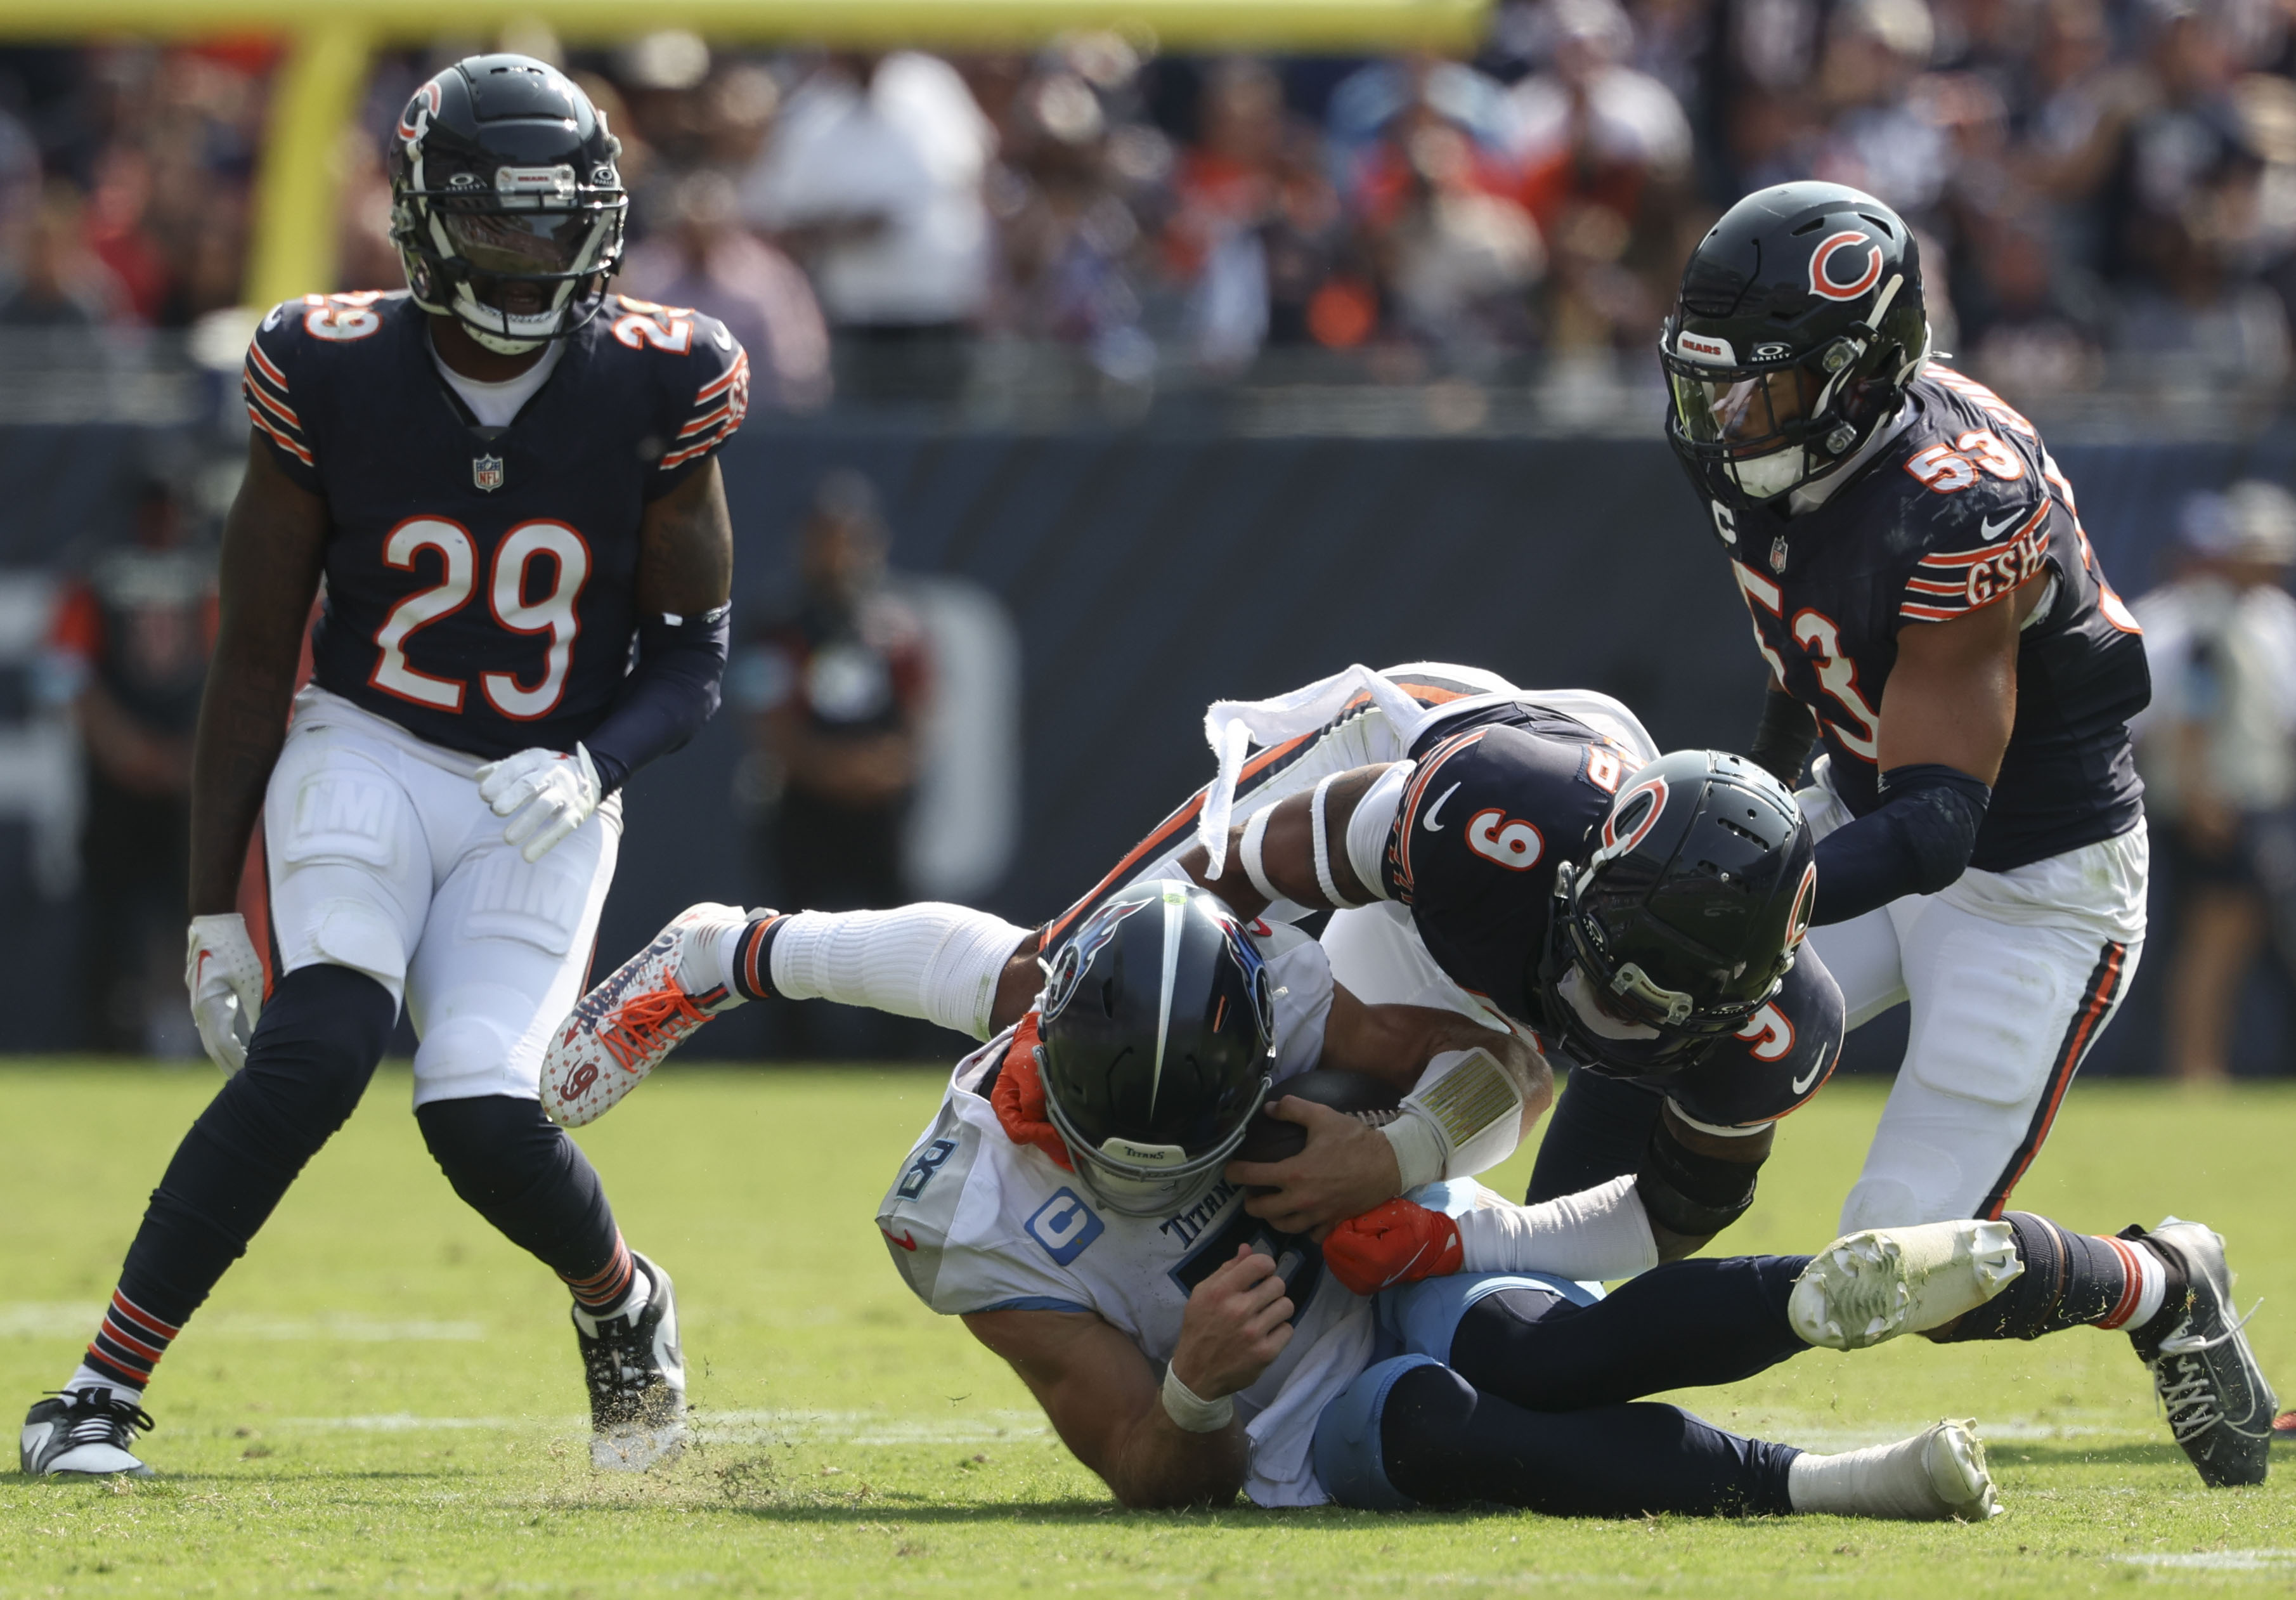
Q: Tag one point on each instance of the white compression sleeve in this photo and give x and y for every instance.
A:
(1370, 824)
(929, 960)
(1598, 1233)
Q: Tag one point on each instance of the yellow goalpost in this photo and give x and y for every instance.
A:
(291, 246)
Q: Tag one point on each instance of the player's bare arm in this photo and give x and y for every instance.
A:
(273, 544)
(1102, 1398)
(1347, 1166)
(686, 548)
(1286, 851)
(1952, 696)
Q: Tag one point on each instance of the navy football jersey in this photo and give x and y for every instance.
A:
(481, 582)
(1958, 508)
(1500, 796)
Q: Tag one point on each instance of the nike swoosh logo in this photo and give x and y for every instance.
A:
(1432, 825)
(1994, 530)
(908, 1241)
(1802, 1085)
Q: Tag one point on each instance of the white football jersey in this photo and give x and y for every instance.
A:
(976, 1222)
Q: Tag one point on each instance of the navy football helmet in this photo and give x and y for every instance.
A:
(1685, 920)
(1158, 1041)
(502, 173)
(1800, 325)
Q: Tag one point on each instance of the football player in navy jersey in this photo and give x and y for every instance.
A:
(506, 478)
(1932, 614)
(1524, 858)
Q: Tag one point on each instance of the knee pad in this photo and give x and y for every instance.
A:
(1347, 1450)
(1689, 1193)
(466, 1054)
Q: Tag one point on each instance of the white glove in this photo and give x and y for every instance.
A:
(552, 792)
(226, 979)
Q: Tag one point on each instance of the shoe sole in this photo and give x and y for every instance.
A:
(1870, 1287)
(1956, 1459)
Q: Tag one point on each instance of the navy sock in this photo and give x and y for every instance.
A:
(1675, 1326)
(2070, 1280)
(312, 1052)
(1443, 1443)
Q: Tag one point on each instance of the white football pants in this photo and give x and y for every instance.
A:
(381, 858)
(2011, 976)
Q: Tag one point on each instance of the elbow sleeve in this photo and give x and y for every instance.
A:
(1917, 842)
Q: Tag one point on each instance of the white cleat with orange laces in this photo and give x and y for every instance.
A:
(626, 1026)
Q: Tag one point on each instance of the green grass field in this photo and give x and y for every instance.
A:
(383, 1397)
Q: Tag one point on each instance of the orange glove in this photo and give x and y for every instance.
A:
(1397, 1243)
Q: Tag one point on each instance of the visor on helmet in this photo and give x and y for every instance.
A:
(520, 244)
(1746, 413)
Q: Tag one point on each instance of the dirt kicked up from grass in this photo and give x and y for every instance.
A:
(384, 1398)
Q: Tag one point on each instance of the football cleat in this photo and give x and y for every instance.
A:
(1400, 1242)
(636, 1377)
(2218, 1405)
(83, 1433)
(626, 1026)
(1874, 1285)
(1937, 1475)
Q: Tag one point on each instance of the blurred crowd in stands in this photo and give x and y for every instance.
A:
(2106, 188)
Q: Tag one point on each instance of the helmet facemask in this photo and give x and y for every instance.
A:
(1770, 426)
(474, 223)
(1169, 1061)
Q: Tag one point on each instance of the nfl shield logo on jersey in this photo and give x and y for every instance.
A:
(486, 471)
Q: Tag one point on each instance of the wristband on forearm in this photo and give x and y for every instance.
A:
(1190, 1412)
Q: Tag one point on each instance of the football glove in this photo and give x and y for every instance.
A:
(546, 793)
(1397, 1243)
(226, 978)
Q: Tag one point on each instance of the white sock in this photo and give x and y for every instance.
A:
(87, 1377)
(634, 1299)
(1900, 1480)
(929, 960)
(2151, 1285)
(706, 960)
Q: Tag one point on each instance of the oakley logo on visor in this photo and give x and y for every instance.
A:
(1825, 274)
(1701, 347)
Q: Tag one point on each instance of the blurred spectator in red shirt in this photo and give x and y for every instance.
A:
(128, 653)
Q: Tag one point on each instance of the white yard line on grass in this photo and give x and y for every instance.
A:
(2218, 1561)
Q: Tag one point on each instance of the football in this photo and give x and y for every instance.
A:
(1359, 1094)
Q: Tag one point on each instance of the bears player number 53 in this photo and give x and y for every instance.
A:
(505, 476)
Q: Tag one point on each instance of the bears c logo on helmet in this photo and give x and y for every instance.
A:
(1824, 277)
